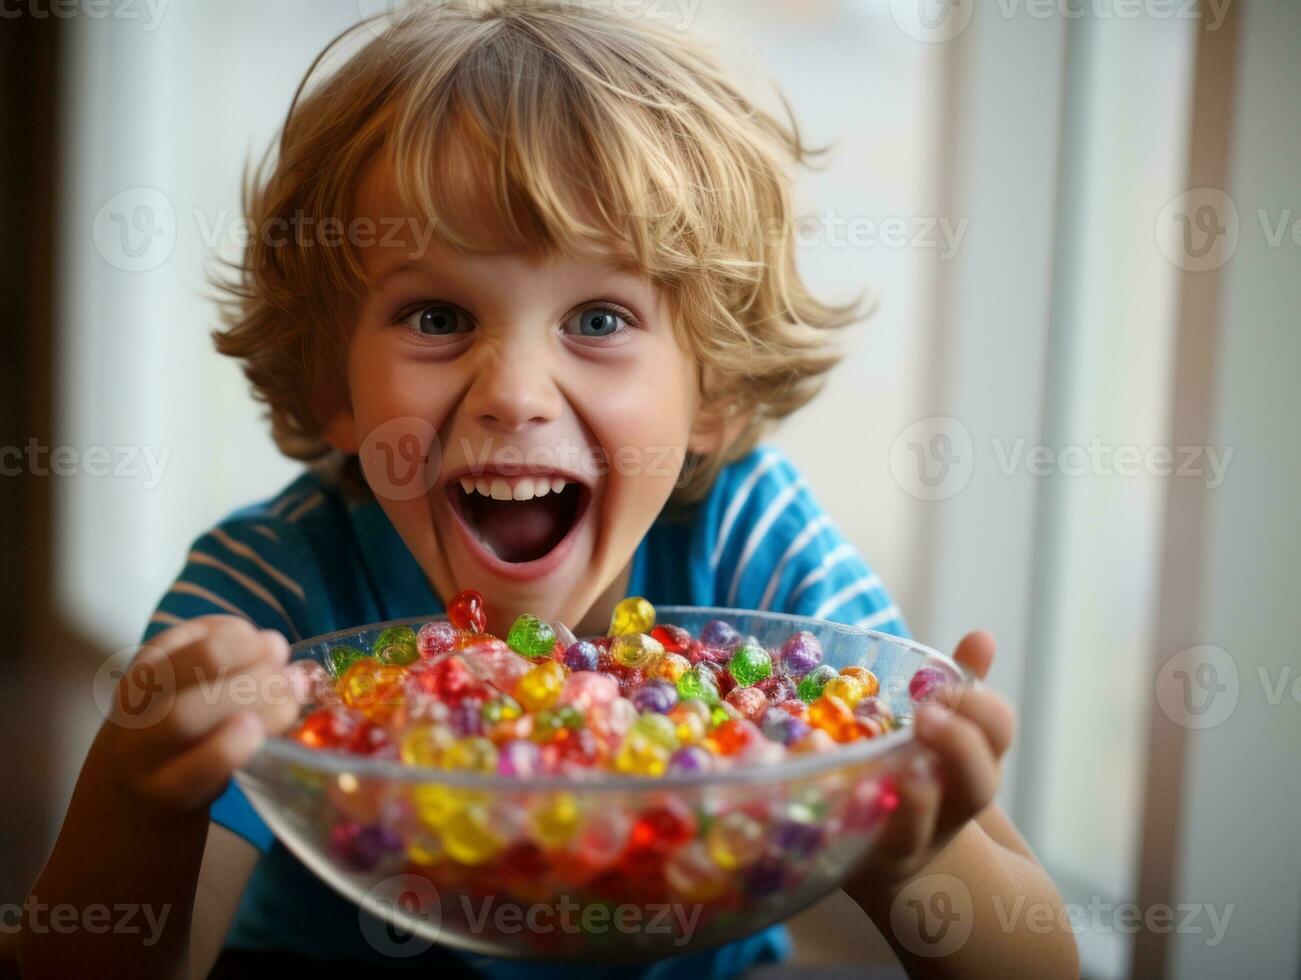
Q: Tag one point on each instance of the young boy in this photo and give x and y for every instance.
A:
(529, 300)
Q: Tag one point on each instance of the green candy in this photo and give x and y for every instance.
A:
(531, 637)
(696, 683)
(504, 708)
(340, 658)
(749, 664)
(397, 645)
(810, 688)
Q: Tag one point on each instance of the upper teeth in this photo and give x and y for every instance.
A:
(526, 488)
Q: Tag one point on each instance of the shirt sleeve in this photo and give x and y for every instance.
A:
(775, 548)
(258, 568)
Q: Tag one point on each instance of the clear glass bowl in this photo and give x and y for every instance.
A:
(610, 868)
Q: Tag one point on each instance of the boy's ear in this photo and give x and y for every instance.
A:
(341, 432)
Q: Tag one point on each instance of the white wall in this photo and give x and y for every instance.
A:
(1242, 792)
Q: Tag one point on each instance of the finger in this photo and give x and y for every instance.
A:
(198, 775)
(968, 766)
(975, 651)
(228, 646)
(987, 710)
(909, 828)
(262, 688)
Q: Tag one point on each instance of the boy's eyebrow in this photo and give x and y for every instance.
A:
(408, 266)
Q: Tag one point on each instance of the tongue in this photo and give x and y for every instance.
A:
(520, 530)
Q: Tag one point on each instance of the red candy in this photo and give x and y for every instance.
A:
(466, 611)
(673, 638)
(327, 728)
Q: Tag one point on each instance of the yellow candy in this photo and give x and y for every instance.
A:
(424, 745)
(541, 686)
(632, 615)
(425, 848)
(554, 819)
(734, 840)
(657, 728)
(473, 753)
(691, 724)
(639, 756)
(637, 650)
(846, 687)
(468, 838)
(436, 804)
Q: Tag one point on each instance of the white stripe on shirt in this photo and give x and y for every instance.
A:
(760, 531)
(857, 588)
(799, 544)
(738, 501)
(832, 558)
(879, 617)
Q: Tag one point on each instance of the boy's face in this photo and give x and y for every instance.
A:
(560, 386)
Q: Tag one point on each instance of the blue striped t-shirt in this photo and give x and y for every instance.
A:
(315, 558)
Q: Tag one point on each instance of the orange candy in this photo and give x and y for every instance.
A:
(732, 736)
(865, 677)
(834, 717)
(373, 688)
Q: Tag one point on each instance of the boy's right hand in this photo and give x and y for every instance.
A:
(193, 706)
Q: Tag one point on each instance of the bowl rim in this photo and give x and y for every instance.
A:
(283, 749)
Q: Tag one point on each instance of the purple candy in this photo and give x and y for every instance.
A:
(800, 653)
(691, 758)
(363, 847)
(519, 757)
(582, 656)
(658, 696)
(782, 726)
(765, 876)
(717, 633)
(799, 838)
(467, 717)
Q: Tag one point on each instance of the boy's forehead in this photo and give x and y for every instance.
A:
(467, 205)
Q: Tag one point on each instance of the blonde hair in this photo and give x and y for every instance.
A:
(590, 130)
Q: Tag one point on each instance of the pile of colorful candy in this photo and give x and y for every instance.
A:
(645, 700)
(519, 754)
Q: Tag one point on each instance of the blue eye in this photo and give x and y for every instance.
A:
(438, 320)
(596, 321)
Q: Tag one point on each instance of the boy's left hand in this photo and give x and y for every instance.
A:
(962, 735)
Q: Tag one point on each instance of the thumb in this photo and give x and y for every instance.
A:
(975, 651)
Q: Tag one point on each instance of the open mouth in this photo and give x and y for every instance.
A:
(518, 519)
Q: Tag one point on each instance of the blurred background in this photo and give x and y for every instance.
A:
(1070, 420)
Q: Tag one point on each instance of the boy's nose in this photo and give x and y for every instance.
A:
(511, 389)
